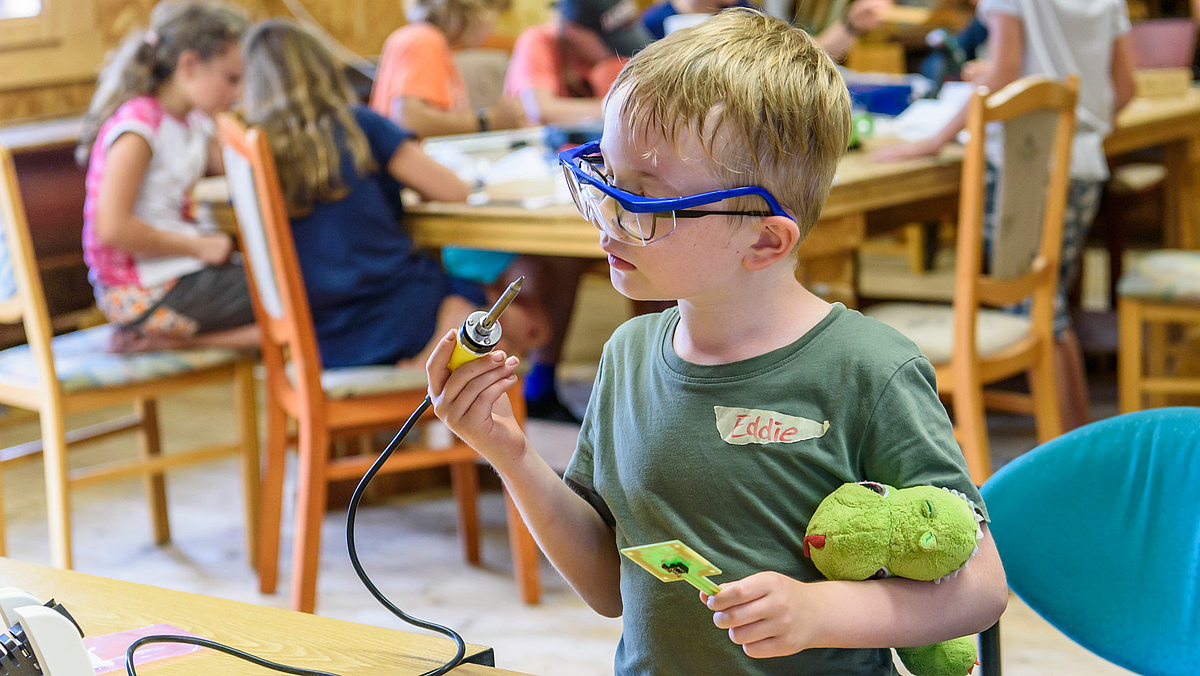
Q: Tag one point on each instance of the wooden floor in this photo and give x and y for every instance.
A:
(410, 546)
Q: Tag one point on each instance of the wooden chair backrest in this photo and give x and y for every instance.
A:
(483, 73)
(22, 297)
(276, 285)
(1036, 120)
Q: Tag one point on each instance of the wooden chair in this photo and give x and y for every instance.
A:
(328, 402)
(1135, 185)
(969, 344)
(60, 375)
(1159, 291)
(483, 73)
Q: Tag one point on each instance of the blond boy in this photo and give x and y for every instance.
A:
(673, 444)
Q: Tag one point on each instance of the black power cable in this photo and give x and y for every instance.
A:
(351, 514)
(205, 643)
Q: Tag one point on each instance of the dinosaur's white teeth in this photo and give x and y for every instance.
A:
(978, 532)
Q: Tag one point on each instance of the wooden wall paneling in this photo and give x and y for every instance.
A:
(41, 102)
(362, 25)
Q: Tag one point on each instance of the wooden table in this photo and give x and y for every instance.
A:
(103, 606)
(867, 197)
(1173, 124)
(864, 191)
(860, 186)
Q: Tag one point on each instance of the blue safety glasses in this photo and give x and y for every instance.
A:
(632, 218)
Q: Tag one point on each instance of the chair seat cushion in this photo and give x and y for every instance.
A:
(1136, 177)
(931, 327)
(82, 362)
(1171, 275)
(363, 381)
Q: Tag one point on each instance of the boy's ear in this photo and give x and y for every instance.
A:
(777, 239)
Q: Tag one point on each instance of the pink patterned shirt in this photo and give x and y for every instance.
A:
(179, 159)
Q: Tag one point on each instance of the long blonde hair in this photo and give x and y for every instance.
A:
(296, 93)
(146, 59)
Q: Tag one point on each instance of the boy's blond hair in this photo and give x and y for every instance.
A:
(768, 104)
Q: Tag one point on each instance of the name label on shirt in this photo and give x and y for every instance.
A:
(741, 426)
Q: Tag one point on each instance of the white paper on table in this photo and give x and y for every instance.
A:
(680, 21)
(469, 169)
(528, 177)
(925, 117)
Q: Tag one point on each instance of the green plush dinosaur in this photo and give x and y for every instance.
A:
(869, 531)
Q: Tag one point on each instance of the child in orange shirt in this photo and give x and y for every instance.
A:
(420, 87)
(562, 69)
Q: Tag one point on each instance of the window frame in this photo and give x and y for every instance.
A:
(40, 30)
(62, 45)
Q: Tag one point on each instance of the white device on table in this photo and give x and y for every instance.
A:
(40, 638)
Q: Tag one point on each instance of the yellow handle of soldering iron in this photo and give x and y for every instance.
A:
(461, 354)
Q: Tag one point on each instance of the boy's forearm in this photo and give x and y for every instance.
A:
(903, 613)
(569, 530)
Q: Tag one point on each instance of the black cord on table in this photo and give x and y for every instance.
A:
(351, 514)
(205, 643)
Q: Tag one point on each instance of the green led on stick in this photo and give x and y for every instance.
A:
(672, 561)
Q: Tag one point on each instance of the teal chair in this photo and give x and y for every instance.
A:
(1099, 532)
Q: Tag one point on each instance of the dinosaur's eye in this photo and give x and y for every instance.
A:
(928, 510)
(875, 486)
(880, 574)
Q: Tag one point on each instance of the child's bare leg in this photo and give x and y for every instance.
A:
(524, 327)
(451, 313)
(553, 282)
(127, 341)
(242, 337)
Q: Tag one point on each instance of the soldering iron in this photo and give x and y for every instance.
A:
(476, 337)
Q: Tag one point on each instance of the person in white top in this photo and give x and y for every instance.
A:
(1055, 38)
(161, 275)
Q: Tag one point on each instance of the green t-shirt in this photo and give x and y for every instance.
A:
(733, 460)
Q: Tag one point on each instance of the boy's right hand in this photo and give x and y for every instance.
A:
(214, 249)
(472, 402)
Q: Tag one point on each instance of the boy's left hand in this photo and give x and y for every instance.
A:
(768, 614)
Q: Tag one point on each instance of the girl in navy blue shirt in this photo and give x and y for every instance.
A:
(374, 298)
